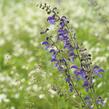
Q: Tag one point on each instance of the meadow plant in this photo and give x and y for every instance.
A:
(71, 59)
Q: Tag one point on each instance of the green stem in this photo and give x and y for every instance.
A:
(75, 87)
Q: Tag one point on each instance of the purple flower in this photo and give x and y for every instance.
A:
(63, 18)
(86, 83)
(53, 58)
(45, 43)
(62, 32)
(62, 24)
(71, 53)
(77, 72)
(51, 19)
(97, 70)
(61, 60)
(72, 58)
(57, 63)
(52, 51)
(60, 68)
(81, 73)
(74, 66)
(70, 87)
(63, 21)
(100, 101)
(67, 44)
(68, 79)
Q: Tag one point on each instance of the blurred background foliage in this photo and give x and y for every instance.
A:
(28, 80)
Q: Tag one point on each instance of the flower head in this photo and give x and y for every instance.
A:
(51, 19)
(97, 70)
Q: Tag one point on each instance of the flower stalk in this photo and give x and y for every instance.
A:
(64, 48)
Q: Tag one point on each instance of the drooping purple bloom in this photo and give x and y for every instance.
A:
(60, 37)
(51, 19)
(63, 21)
(53, 58)
(62, 24)
(63, 18)
(97, 70)
(81, 73)
(45, 43)
(86, 83)
(68, 79)
(62, 32)
(52, 51)
(77, 72)
(67, 44)
(74, 66)
(56, 63)
(63, 61)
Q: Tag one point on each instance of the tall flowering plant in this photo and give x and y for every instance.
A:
(71, 59)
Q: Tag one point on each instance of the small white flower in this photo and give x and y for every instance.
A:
(2, 97)
(52, 91)
(41, 96)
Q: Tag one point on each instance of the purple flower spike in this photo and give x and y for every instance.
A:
(62, 44)
(51, 19)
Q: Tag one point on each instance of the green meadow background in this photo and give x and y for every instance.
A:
(28, 80)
